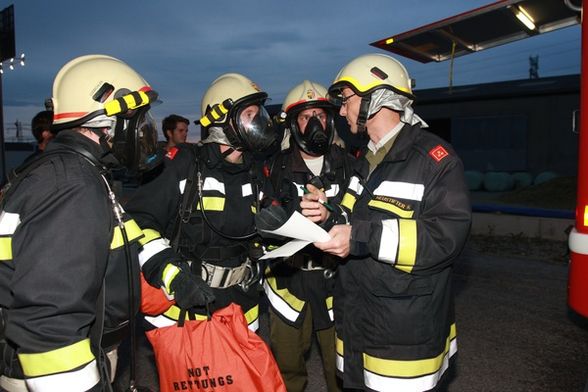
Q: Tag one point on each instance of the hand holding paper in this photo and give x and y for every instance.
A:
(302, 230)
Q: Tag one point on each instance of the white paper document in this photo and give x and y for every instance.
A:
(288, 249)
(302, 230)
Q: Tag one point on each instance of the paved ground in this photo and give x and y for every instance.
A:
(515, 332)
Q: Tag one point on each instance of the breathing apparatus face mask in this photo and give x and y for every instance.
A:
(315, 139)
(253, 127)
(134, 140)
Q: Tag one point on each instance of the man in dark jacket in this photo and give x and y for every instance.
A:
(203, 205)
(64, 276)
(300, 288)
(408, 214)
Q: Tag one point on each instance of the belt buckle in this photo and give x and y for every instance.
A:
(220, 277)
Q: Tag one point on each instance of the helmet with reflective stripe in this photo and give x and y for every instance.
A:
(104, 94)
(235, 103)
(370, 72)
(86, 84)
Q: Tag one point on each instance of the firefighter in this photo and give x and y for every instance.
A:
(408, 213)
(67, 247)
(300, 288)
(198, 215)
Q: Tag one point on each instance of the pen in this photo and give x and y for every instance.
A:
(324, 203)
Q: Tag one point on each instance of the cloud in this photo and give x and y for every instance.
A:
(180, 46)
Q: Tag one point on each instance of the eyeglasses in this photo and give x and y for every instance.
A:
(344, 99)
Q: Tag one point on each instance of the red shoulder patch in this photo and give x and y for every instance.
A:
(438, 153)
(171, 154)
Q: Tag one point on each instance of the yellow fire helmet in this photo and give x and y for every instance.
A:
(84, 87)
(234, 104)
(370, 72)
(314, 139)
(101, 92)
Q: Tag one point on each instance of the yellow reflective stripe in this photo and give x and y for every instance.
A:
(169, 273)
(253, 209)
(348, 201)
(365, 87)
(339, 345)
(252, 314)
(287, 296)
(329, 302)
(149, 235)
(5, 248)
(586, 216)
(407, 245)
(212, 203)
(174, 313)
(391, 207)
(216, 112)
(414, 368)
(133, 232)
(131, 101)
(60, 360)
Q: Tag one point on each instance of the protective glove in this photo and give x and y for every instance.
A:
(270, 218)
(188, 289)
(255, 250)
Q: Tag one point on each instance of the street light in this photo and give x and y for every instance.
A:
(11, 64)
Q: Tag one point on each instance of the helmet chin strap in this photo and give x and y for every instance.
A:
(363, 112)
(228, 152)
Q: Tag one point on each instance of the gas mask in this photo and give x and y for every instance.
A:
(134, 140)
(252, 128)
(249, 126)
(315, 139)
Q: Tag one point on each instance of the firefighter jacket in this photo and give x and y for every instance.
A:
(59, 244)
(305, 278)
(394, 314)
(228, 202)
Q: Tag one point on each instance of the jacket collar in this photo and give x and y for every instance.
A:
(71, 139)
(214, 159)
(399, 151)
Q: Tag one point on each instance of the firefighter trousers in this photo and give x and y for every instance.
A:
(290, 346)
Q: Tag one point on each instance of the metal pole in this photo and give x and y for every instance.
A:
(2, 149)
(578, 240)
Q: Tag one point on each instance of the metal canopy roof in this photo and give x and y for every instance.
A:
(482, 28)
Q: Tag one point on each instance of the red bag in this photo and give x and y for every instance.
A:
(153, 300)
(220, 354)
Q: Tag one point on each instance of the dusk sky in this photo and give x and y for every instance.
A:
(181, 46)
